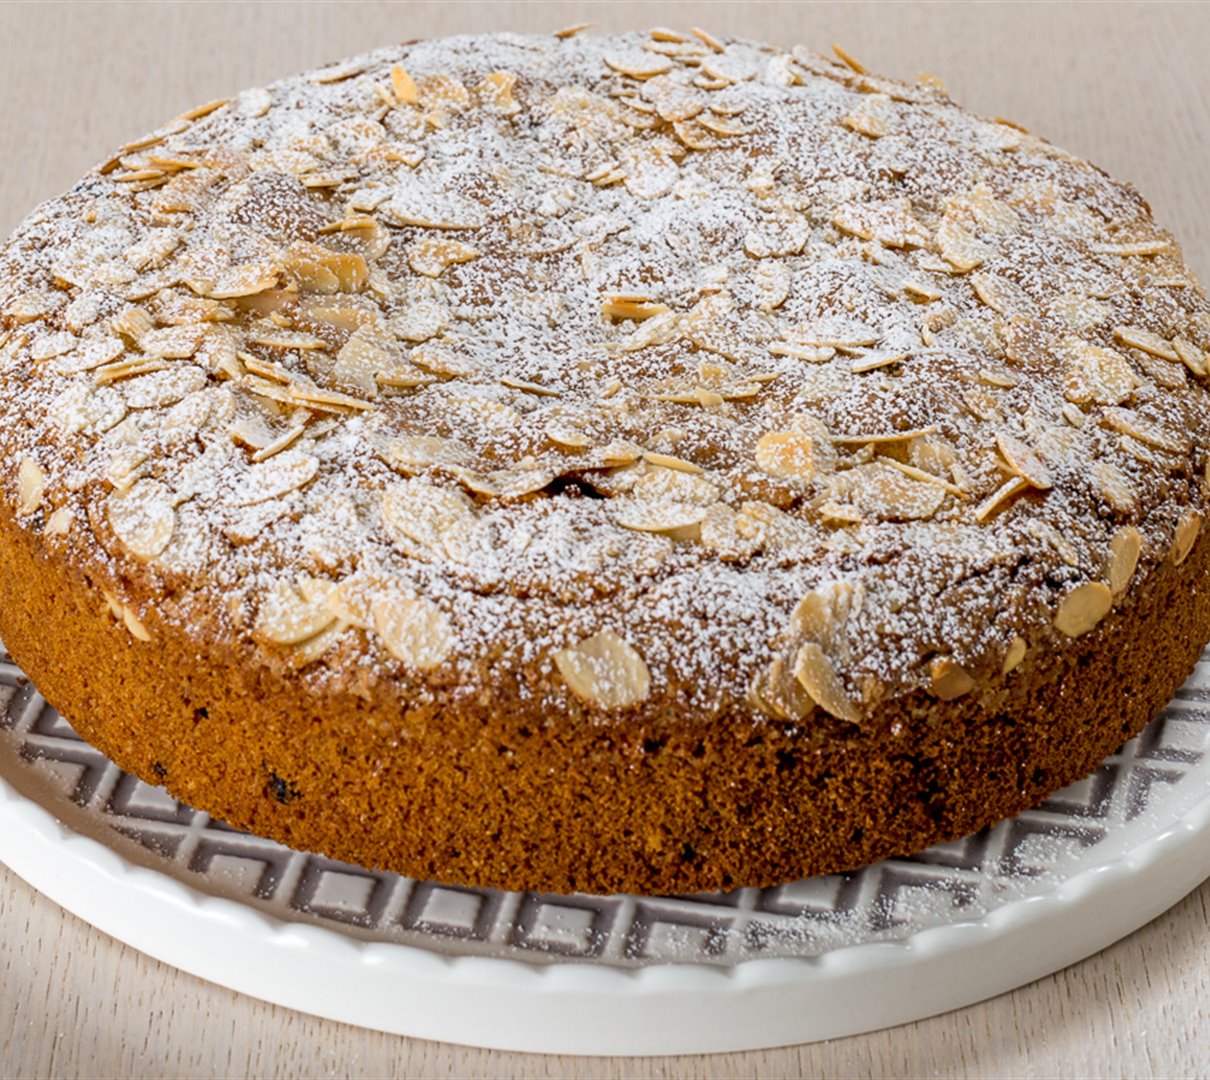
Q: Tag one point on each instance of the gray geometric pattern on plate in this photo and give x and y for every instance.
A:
(888, 901)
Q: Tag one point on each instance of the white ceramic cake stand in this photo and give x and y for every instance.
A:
(816, 959)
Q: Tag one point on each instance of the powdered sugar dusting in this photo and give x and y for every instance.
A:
(553, 338)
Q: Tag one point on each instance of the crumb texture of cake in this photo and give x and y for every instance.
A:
(635, 462)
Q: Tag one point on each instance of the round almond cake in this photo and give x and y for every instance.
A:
(638, 462)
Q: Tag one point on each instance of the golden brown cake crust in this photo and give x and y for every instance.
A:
(502, 799)
(642, 462)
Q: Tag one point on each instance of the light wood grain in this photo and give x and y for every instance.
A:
(1126, 85)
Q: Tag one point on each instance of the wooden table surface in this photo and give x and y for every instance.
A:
(1126, 85)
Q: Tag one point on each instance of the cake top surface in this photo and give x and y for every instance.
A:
(632, 373)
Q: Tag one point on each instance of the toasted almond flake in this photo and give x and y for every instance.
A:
(132, 623)
(31, 486)
(860, 68)
(719, 125)
(818, 677)
(60, 522)
(872, 117)
(274, 479)
(922, 291)
(528, 387)
(1148, 342)
(637, 309)
(248, 280)
(1191, 356)
(127, 369)
(787, 455)
(604, 670)
(204, 110)
(431, 257)
(142, 517)
(287, 617)
(949, 679)
(1013, 655)
(883, 437)
(890, 223)
(1124, 548)
(572, 31)
(1151, 434)
(1140, 247)
(1083, 608)
(403, 86)
(1000, 497)
(133, 323)
(924, 476)
(286, 339)
(414, 630)
(1187, 530)
(411, 454)
(283, 442)
(777, 693)
(124, 466)
(874, 360)
(668, 461)
(638, 65)
(1097, 375)
(812, 354)
(679, 521)
(313, 397)
(959, 248)
(1024, 461)
(707, 39)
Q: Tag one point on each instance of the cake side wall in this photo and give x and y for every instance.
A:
(508, 798)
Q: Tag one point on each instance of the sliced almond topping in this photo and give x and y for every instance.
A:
(415, 631)
(637, 308)
(1117, 488)
(812, 354)
(1187, 530)
(1148, 342)
(1124, 548)
(788, 455)
(873, 116)
(950, 680)
(428, 517)
(889, 223)
(1013, 656)
(420, 321)
(173, 342)
(60, 522)
(273, 479)
(412, 454)
(1130, 423)
(818, 677)
(286, 617)
(668, 461)
(1083, 608)
(431, 257)
(638, 65)
(1000, 497)
(248, 280)
(777, 693)
(1191, 356)
(1024, 462)
(679, 521)
(959, 248)
(821, 615)
(403, 86)
(849, 61)
(142, 517)
(31, 486)
(1140, 247)
(604, 670)
(1097, 375)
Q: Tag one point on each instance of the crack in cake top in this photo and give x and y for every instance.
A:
(635, 372)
